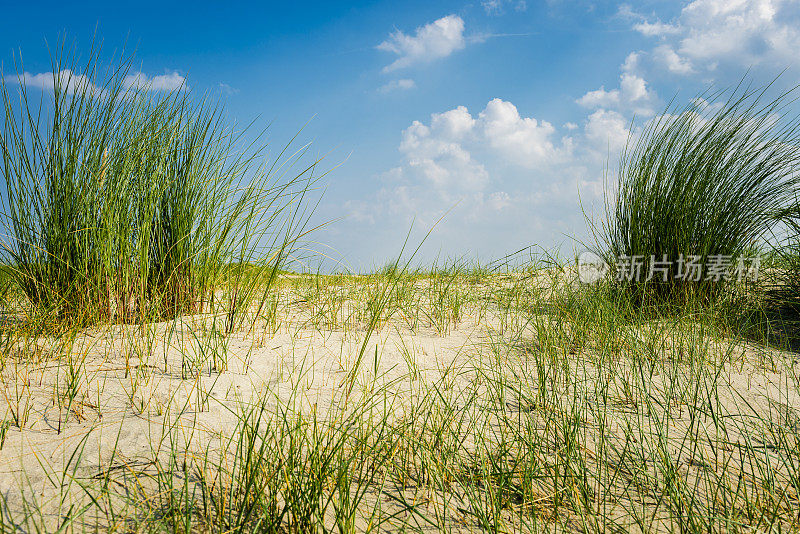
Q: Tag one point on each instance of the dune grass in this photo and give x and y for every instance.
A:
(127, 204)
(702, 184)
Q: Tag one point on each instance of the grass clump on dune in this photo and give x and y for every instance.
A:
(124, 203)
(703, 183)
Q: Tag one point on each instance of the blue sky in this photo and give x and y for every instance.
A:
(499, 115)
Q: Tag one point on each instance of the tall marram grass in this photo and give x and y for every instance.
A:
(125, 203)
(706, 180)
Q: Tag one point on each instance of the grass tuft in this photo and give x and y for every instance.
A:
(704, 182)
(127, 204)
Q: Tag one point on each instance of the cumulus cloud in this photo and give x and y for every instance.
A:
(632, 94)
(599, 98)
(670, 59)
(453, 125)
(442, 153)
(435, 40)
(395, 85)
(743, 32)
(435, 154)
(458, 156)
(522, 140)
(495, 171)
(607, 131)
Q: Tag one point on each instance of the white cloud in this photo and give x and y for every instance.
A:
(670, 59)
(171, 81)
(435, 40)
(453, 125)
(72, 82)
(606, 131)
(599, 98)
(655, 29)
(631, 64)
(522, 140)
(497, 7)
(497, 175)
(403, 85)
(451, 153)
(744, 32)
(715, 29)
(632, 95)
(634, 88)
(439, 159)
(65, 80)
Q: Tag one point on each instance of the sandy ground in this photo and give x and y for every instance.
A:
(126, 405)
(118, 397)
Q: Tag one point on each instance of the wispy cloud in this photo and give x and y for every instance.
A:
(435, 40)
(398, 85)
(170, 81)
(227, 89)
(655, 29)
(497, 7)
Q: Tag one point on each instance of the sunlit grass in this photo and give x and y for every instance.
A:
(129, 205)
(707, 180)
